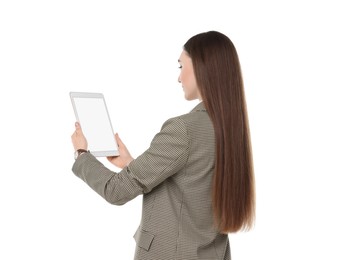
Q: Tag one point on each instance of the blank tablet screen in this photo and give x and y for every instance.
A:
(92, 114)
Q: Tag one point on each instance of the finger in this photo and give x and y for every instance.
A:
(77, 127)
(110, 158)
(118, 140)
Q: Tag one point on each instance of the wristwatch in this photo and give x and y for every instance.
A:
(79, 152)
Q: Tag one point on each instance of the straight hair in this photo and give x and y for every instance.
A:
(219, 79)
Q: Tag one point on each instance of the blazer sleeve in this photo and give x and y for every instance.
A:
(167, 154)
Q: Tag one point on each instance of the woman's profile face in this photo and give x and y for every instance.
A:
(187, 77)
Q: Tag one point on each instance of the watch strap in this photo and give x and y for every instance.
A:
(78, 152)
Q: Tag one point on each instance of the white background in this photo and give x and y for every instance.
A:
(295, 60)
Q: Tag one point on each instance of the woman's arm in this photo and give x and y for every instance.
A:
(167, 154)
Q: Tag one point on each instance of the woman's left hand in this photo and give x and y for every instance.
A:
(78, 139)
(124, 157)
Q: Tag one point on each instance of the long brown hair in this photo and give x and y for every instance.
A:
(219, 78)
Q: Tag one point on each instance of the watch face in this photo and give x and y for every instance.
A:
(76, 154)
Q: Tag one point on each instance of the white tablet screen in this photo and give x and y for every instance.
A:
(92, 114)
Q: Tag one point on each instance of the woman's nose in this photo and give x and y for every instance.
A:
(179, 79)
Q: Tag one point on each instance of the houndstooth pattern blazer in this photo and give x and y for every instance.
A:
(175, 176)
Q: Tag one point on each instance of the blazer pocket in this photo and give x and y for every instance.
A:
(143, 238)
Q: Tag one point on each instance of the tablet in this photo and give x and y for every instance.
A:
(92, 114)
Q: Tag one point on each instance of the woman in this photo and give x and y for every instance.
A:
(197, 175)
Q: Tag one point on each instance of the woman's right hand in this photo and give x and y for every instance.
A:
(124, 158)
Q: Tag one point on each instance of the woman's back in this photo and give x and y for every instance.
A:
(177, 220)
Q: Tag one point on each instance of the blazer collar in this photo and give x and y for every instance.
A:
(199, 107)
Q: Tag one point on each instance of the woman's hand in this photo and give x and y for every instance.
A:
(124, 158)
(78, 139)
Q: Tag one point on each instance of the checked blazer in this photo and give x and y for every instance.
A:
(174, 175)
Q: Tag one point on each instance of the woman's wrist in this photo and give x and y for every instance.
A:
(79, 152)
(129, 161)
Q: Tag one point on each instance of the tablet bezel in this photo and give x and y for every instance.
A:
(92, 95)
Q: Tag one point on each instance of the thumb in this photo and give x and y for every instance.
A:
(77, 127)
(118, 140)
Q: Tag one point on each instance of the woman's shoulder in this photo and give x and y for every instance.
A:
(197, 117)
(189, 115)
